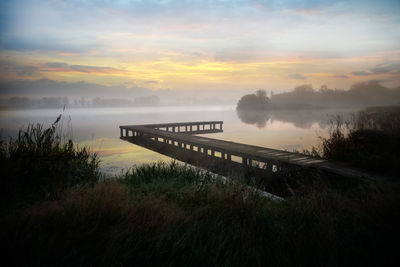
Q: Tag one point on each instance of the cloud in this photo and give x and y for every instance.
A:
(151, 82)
(296, 76)
(360, 73)
(57, 65)
(80, 26)
(18, 69)
(29, 70)
(378, 80)
(64, 67)
(340, 76)
(47, 42)
(26, 70)
(46, 87)
(379, 69)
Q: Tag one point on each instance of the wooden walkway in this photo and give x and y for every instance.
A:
(177, 140)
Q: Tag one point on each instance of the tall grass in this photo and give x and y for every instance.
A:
(39, 163)
(121, 222)
(370, 140)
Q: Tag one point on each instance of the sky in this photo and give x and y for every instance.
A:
(201, 45)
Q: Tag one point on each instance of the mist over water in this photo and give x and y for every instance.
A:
(98, 128)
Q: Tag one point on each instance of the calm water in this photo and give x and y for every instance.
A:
(98, 128)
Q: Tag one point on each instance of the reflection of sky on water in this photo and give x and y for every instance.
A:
(117, 154)
(98, 128)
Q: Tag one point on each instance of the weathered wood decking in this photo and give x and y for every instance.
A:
(177, 140)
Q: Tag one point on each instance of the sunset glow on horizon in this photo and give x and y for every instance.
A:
(202, 45)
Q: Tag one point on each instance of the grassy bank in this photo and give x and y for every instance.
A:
(370, 140)
(169, 214)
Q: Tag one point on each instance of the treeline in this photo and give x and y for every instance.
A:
(44, 102)
(359, 95)
(17, 102)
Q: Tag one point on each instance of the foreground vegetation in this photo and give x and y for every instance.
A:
(370, 140)
(57, 209)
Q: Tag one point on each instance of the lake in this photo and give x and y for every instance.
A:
(98, 128)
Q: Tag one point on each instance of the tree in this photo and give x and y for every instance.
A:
(306, 88)
(261, 93)
(256, 101)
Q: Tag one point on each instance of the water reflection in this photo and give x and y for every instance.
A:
(303, 119)
(257, 117)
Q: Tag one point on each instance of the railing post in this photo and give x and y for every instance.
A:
(269, 167)
(244, 161)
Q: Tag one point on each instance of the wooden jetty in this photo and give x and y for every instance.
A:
(179, 141)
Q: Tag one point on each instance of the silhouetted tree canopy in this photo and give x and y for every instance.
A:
(256, 101)
(359, 95)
